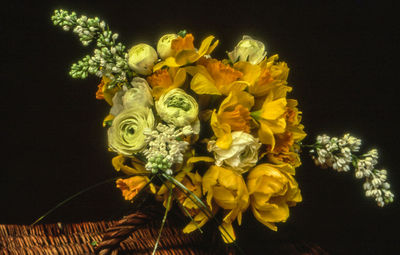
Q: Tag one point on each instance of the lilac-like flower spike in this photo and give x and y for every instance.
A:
(339, 154)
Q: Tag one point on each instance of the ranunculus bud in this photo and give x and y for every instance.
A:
(177, 107)
(141, 58)
(164, 46)
(248, 50)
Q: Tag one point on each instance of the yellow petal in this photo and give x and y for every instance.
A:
(206, 45)
(227, 232)
(273, 109)
(222, 131)
(250, 72)
(201, 84)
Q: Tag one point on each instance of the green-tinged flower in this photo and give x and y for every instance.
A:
(164, 46)
(177, 107)
(248, 50)
(139, 94)
(126, 136)
(141, 58)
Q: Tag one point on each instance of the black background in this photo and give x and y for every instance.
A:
(344, 70)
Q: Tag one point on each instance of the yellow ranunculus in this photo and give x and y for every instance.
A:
(141, 58)
(215, 78)
(185, 53)
(228, 190)
(233, 115)
(272, 190)
(130, 187)
(164, 48)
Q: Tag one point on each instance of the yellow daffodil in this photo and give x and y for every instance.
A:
(293, 119)
(272, 190)
(271, 119)
(233, 115)
(283, 150)
(228, 190)
(164, 80)
(130, 187)
(185, 53)
(213, 77)
(121, 163)
(264, 77)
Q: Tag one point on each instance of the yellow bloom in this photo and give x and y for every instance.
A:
(233, 115)
(272, 190)
(264, 77)
(130, 187)
(129, 165)
(185, 53)
(215, 78)
(283, 150)
(228, 190)
(271, 119)
(293, 119)
(164, 80)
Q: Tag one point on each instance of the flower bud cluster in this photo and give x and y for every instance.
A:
(376, 184)
(166, 147)
(334, 152)
(109, 58)
(340, 154)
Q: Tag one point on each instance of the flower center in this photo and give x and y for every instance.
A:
(178, 102)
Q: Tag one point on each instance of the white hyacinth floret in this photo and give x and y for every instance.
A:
(165, 147)
(340, 154)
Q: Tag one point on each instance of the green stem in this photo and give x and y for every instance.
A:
(78, 194)
(163, 221)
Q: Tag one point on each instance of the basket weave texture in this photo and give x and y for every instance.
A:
(82, 238)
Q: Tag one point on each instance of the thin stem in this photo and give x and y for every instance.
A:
(78, 194)
(163, 220)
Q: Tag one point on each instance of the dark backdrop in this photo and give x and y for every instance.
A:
(344, 71)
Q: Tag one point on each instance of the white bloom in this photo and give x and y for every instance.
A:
(138, 95)
(249, 50)
(126, 134)
(164, 46)
(177, 108)
(241, 155)
(141, 58)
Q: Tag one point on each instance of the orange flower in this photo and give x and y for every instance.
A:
(103, 92)
(130, 187)
(164, 80)
(233, 115)
(183, 43)
(215, 78)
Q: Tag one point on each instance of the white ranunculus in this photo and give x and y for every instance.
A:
(164, 45)
(126, 136)
(177, 107)
(241, 155)
(138, 95)
(248, 50)
(141, 58)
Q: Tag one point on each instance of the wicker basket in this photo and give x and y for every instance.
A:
(134, 234)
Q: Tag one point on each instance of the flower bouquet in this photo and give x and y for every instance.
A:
(217, 137)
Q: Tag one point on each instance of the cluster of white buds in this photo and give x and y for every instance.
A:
(165, 147)
(376, 184)
(335, 152)
(339, 154)
(109, 59)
